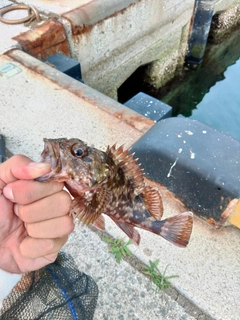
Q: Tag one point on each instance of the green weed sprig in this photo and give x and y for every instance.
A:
(119, 248)
(159, 279)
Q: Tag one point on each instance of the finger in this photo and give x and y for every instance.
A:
(28, 191)
(54, 228)
(54, 206)
(36, 248)
(21, 167)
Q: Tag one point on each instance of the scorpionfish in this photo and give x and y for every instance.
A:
(112, 183)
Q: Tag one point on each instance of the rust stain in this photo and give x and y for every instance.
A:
(81, 22)
(213, 223)
(80, 28)
(229, 207)
(126, 115)
(137, 121)
(45, 40)
(118, 115)
(216, 224)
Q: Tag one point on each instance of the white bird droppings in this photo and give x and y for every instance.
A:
(173, 165)
(192, 154)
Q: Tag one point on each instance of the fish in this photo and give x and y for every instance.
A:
(111, 183)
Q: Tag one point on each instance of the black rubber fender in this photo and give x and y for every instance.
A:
(197, 163)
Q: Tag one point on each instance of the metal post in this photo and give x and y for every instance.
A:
(202, 18)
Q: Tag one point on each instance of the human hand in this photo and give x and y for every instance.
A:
(34, 219)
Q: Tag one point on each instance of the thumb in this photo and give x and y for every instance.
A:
(21, 167)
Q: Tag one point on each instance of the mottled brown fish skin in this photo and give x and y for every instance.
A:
(111, 183)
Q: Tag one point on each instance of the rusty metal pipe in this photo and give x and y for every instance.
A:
(32, 14)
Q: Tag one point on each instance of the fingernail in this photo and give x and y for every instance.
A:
(7, 191)
(39, 165)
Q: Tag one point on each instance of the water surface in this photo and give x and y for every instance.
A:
(211, 94)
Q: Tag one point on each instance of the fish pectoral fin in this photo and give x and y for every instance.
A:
(100, 200)
(152, 201)
(129, 230)
(81, 211)
(89, 208)
(99, 223)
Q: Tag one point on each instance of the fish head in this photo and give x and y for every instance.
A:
(74, 162)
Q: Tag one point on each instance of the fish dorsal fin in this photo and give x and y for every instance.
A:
(153, 202)
(129, 165)
(89, 207)
(150, 196)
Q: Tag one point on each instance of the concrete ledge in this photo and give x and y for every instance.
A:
(89, 14)
(89, 95)
(196, 162)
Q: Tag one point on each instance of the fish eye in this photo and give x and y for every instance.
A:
(79, 150)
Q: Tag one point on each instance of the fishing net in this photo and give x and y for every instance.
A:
(58, 291)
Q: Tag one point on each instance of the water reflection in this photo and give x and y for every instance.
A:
(211, 94)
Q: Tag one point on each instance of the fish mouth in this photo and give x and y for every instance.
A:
(51, 154)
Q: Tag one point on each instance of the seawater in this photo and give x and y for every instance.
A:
(211, 93)
(220, 107)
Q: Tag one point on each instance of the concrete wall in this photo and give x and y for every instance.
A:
(223, 5)
(111, 49)
(112, 38)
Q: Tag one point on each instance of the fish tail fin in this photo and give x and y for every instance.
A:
(176, 230)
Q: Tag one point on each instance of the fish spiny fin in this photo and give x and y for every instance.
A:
(153, 202)
(88, 211)
(129, 165)
(99, 223)
(176, 229)
(130, 231)
(82, 212)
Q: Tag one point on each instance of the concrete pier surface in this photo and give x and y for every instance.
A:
(38, 101)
